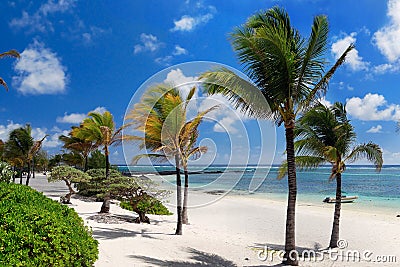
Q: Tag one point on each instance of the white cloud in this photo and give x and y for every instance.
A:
(6, 129)
(165, 61)
(179, 51)
(373, 107)
(38, 20)
(375, 129)
(325, 102)
(39, 71)
(353, 59)
(76, 118)
(189, 23)
(386, 68)
(149, 42)
(387, 38)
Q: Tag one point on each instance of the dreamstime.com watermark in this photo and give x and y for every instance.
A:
(340, 254)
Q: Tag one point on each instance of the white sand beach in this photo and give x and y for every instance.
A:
(226, 233)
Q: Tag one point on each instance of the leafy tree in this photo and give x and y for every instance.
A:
(141, 194)
(41, 160)
(96, 160)
(69, 175)
(325, 135)
(55, 160)
(6, 172)
(80, 146)
(161, 117)
(289, 71)
(18, 148)
(100, 129)
(31, 156)
(11, 53)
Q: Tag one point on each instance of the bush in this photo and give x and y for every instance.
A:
(38, 231)
(152, 207)
(6, 173)
(95, 185)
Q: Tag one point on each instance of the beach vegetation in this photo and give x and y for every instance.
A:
(12, 53)
(38, 231)
(6, 172)
(161, 116)
(70, 176)
(100, 129)
(325, 135)
(289, 71)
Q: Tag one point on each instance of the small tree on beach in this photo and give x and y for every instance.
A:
(325, 135)
(161, 116)
(6, 172)
(11, 53)
(70, 176)
(100, 128)
(289, 71)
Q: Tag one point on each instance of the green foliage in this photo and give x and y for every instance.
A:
(152, 206)
(67, 173)
(6, 173)
(95, 185)
(97, 160)
(38, 231)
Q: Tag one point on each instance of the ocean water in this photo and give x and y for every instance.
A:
(376, 190)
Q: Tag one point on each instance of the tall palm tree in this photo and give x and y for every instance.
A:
(18, 147)
(289, 71)
(78, 145)
(161, 116)
(11, 53)
(325, 135)
(100, 128)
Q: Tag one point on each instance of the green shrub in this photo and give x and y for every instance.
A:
(95, 185)
(38, 231)
(152, 207)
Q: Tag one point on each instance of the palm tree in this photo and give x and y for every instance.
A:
(100, 129)
(161, 117)
(325, 135)
(37, 145)
(289, 71)
(18, 147)
(80, 146)
(11, 53)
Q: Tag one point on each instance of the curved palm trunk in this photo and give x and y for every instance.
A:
(105, 207)
(185, 219)
(336, 217)
(85, 164)
(178, 197)
(290, 257)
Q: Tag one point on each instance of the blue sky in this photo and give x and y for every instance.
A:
(79, 56)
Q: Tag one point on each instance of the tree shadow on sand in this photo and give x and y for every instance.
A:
(114, 233)
(197, 257)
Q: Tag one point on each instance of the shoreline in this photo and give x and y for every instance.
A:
(230, 232)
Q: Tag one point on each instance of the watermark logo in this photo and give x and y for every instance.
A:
(339, 254)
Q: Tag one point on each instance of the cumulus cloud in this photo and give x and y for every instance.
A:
(6, 129)
(325, 102)
(39, 71)
(353, 59)
(373, 107)
(189, 23)
(38, 21)
(149, 42)
(387, 38)
(179, 51)
(75, 118)
(375, 129)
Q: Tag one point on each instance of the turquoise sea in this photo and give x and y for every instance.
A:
(376, 190)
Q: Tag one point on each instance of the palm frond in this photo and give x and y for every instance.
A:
(370, 151)
(302, 163)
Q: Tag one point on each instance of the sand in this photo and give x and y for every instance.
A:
(233, 232)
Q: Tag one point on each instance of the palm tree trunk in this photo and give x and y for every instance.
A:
(20, 178)
(33, 168)
(85, 164)
(290, 257)
(185, 219)
(28, 176)
(105, 207)
(336, 216)
(178, 197)
(13, 168)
